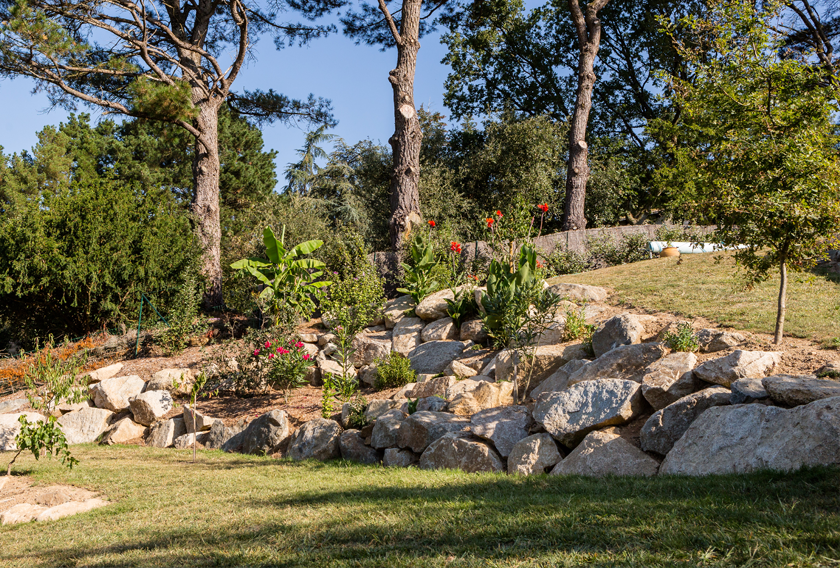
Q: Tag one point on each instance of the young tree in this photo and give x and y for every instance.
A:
(758, 147)
(165, 61)
(403, 32)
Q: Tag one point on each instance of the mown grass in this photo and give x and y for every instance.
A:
(701, 286)
(232, 510)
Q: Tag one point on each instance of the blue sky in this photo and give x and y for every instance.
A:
(354, 77)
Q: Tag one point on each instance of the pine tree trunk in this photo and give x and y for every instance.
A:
(405, 143)
(780, 312)
(205, 205)
(577, 174)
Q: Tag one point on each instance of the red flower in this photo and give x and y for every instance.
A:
(271, 355)
(431, 223)
(539, 264)
(455, 247)
(543, 207)
(499, 214)
(256, 352)
(490, 222)
(299, 344)
(267, 344)
(306, 356)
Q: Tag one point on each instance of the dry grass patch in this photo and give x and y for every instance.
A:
(700, 286)
(231, 510)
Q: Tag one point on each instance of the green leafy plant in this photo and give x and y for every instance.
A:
(328, 397)
(577, 328)
(418, 281)
(412, 405)
(288, 279)
(393, 372)
(285, 363)
(183, 318)
(683, 339)
(356, 417)
(50, 380)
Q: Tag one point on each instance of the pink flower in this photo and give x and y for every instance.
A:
(299, 344)
(271, 355)
(278, 349)
(306, 356)
(267, 344)
(256, 352)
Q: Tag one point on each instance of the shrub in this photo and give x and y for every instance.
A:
(683, 339)
(182, 318)
(393, 372)
(356, 418)
(603, 251)
(565, 262)
(76, 258)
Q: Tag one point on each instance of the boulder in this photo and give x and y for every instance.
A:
(395, 310)
(395, 457)
(432, 404)
(458, 369)
(219, 434)
(504, 426)
(547, 359)
(10, 428)
(434, 306)
(367, 375)
(333, 368)
(113, 394)
(326, 338)
(9, 406)
(559, 379)
(164, 432)
(738, 365)
(624, 329)
(666, 426)
(454, 451)
(571, 414)
(746, 391)
(367, 350)
(485, 395)
(422, 428)
(317, 439)
(606, 453)
(185, 441)
(104, 373)
(628, 363)
(353, 448)
(147, 407)
(386, 429)
(439, 330)
(798, 390)
(176, 381)
(21, 513)
(433, 387)
(201, 422)
(86, 425)
(473, 330)
(463, 404)
(402, 394)
(669, 379)
(466, 385)
(744, 438)
(378, 407)
(122, 431)
(712, 340)
(70, 508)
(262, 435)
(533, 455)
(433, 357)
(308, 337)
(580, 292)
(408, 326)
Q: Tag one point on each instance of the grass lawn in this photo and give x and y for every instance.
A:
(702, 287)
(232, 510)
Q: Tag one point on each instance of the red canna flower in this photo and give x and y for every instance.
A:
(499, 214)
(431, 223)
(543, 207)
(539, 264)
(455, 247)
(490, 222)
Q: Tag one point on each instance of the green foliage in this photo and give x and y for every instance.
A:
(412, 405)
(605, 252)
(756, 152)
(288, 279)
(509, 293)
(356, 418)
(75, 257)
(284, 362)
(462, 306)
(418, 280)
(683, 339)
(42, 437)
(182, 318)
(160, 101)
(562, 261)
(328, 397)
(576, 328)
(393, 372)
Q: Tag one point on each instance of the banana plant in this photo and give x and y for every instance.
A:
(288, 278)
(417, 277)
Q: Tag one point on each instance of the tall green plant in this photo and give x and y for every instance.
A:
(289, 279)
(418, 275)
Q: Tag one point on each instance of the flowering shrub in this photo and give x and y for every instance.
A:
(284, 364)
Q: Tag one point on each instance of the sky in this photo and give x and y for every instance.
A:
(354, 77)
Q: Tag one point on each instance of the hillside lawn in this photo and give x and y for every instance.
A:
(702, 286)
(234, 510)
